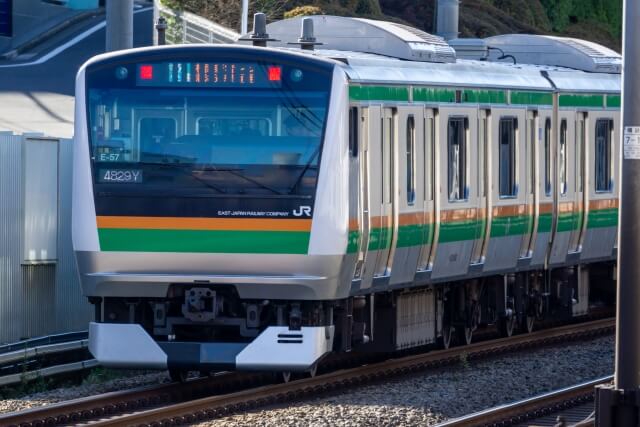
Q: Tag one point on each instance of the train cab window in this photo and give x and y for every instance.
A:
(411, 143)
(507, 157)
(547, 157)
(457, 158)
(562, 160)
(604, 128)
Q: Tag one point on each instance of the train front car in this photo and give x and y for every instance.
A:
(210, 217)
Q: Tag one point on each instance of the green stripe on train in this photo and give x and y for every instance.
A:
(379, 238)
(569, 221)
(602, 218)
(427, 94)
(511, 225)
(614, 101)
(379, 93)
(461, 230)
(353, 241)
(544, 222)
(531, 98)
(575, 100)
(415, 235)
(213, 241)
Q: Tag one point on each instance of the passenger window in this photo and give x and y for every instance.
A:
(457, 158)
(428, 158)
(580, 153)
(530, 153)
(547, 157)
(563, 157)
(482, 156)
(353, 131)
(411, 184)
(604, 128)
(507, 157)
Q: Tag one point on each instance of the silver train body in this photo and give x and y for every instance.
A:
(443, 194)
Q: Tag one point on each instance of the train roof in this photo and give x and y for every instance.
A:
(389, 53)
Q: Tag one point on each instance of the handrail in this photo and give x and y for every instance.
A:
(186, 27)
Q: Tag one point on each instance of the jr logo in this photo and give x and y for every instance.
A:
(302, 211)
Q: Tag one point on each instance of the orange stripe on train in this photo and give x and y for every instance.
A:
(176, 223)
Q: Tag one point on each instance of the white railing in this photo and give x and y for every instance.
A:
(186, 27)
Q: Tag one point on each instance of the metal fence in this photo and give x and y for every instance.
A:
(185, 27)
(40, 292)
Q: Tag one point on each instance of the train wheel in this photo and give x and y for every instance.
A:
(507, 325)
(178, 375)
(465, 335)
(445, 339)
(313, 371)
(528, 323)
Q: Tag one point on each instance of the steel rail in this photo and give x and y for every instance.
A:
(217, 406)
(91, 407)
(533, 407)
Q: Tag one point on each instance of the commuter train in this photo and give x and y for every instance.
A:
(256, 208)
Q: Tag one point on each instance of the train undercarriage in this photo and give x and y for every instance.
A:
(208, 327)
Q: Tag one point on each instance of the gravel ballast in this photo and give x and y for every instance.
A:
(434, 396)
(84, 390)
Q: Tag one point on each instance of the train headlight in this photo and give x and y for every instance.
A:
(121, 73)
(296, 75)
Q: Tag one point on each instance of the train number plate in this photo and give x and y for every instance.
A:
(120, 176)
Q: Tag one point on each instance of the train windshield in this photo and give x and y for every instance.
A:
(234, 142)
(241, 130)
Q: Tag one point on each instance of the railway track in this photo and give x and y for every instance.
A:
(224, 394)
(573, 405)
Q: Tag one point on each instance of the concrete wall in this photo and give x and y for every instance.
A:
(37, 297)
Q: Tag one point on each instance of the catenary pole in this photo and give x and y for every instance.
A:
(245, 17)
(119, 25)
(619, 405)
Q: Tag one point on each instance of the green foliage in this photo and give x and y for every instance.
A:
(367, 7)
(464, 361)
(303, 11)
(562, 13)
(596, 20)
(100, 375)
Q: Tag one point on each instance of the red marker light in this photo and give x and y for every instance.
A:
(274, 73)
(146, 72)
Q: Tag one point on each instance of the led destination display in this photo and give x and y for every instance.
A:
(209, 74)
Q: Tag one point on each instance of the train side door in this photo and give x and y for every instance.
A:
(409, 213)
(358, 119)
(479, 247)
(387, 225)
(579, 195)
(460, 218)
(371, 172)
(530, 198)
(565, 204)
(428, 153)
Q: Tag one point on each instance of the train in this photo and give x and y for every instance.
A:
(364, 187)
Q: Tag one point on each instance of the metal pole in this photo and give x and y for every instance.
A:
(619, 405)
(161, 27)
(628, 340)
(119, 24)
(245, 17)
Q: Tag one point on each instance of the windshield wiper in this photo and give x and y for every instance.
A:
(179, 167)
(234, 171)
(304, 170)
